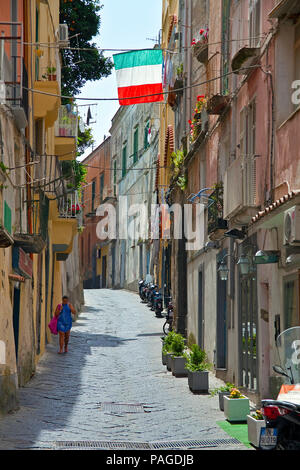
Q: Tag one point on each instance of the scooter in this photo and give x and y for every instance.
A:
(142, 286)
(150, 296)
(168, 325)
(282, 416)
(157, 303)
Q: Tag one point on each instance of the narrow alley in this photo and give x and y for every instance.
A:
(114, 357)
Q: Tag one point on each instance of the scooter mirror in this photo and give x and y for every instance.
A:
(280, 371)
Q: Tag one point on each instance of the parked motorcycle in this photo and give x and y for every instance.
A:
(168, 325)
(157, 303)
(150, 296)
(282, 416)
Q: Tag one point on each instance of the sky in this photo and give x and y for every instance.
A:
(125, 24)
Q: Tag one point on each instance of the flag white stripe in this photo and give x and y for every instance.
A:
(135, 76)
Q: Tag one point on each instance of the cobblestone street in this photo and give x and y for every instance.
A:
(114, 356)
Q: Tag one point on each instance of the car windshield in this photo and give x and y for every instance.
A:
(288, 347)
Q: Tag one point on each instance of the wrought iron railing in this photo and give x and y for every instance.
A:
(215, 211)
(67, 122)
(69, 206)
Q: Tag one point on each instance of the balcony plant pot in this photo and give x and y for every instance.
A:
(236, 409)
(254, 428)
(221, 399)
(198, 381)
(201, 52)
(52, 78)
(178, 366)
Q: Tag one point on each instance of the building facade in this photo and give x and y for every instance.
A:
(38, 215)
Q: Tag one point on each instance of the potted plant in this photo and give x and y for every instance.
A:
(255, 422)
(166, 349)
(200, 46)
(197, 366)
(236, 406)
(51, 73)
(178, 359)
(222, 391)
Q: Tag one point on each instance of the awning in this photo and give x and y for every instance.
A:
(276, 208)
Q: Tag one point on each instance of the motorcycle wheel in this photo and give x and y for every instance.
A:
(167, 328)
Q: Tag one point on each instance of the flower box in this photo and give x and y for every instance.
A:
(198, 381)
(169, 361)
(163, 358)
(221, 399)
(178, 366)
(236, 409)
(254, 429)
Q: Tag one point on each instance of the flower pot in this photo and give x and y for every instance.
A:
(169, 361)
(254, 428)
(178, 366)
(163, 358)
(198, 381)
(236, 409)
(221, 399)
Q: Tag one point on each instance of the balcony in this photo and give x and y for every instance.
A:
(217, 226)
(66, 131)
(66, 217)
(46, 104)
(32, 238)
(216, 100)
(285, 7)
(244, 59)
(240, 191)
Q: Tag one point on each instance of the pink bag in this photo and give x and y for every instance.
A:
(53, 325)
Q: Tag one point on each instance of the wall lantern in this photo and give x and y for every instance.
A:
(266, 257)
(223, 271)
(244, 264)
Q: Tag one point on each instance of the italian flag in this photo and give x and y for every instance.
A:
(139, 73)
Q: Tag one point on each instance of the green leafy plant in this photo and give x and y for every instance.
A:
(224, 388)
(197, 360)
(177, 159)
(177, 345)
(182, 182)
(83, 19)
(179, 70)
(167, 342)
(3, 167)
(51, 70)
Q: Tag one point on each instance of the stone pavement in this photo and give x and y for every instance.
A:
(114, 356)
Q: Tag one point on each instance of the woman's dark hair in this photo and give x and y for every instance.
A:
(65, 297)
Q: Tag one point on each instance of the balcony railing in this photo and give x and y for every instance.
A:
(216, 222)
(69, 206)
(67, 122)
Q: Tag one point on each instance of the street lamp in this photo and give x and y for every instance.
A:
(244, 264)
(223, 271)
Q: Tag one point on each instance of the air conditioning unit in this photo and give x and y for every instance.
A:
(291, 226)
(63, 35)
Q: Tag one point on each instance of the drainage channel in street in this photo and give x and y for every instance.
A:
(123, 445)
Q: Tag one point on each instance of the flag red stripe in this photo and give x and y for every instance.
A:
(138, 93)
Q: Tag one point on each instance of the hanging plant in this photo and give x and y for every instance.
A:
(182, 182)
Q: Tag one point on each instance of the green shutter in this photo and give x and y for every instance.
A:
(146, 143)
(124, 161)
(7, 217)
(135, 145)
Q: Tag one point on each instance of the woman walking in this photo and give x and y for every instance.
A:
(64, 323)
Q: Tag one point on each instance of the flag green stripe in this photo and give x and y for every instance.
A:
(137, 58)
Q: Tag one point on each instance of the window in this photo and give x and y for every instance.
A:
(37, 61)
(101, 186)
(135, 145)
(146, 135)
(124, 161)
(291, 301)
(115, 177)
(254, 22)
(247, 152)
(225, 46)
(93, 195)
